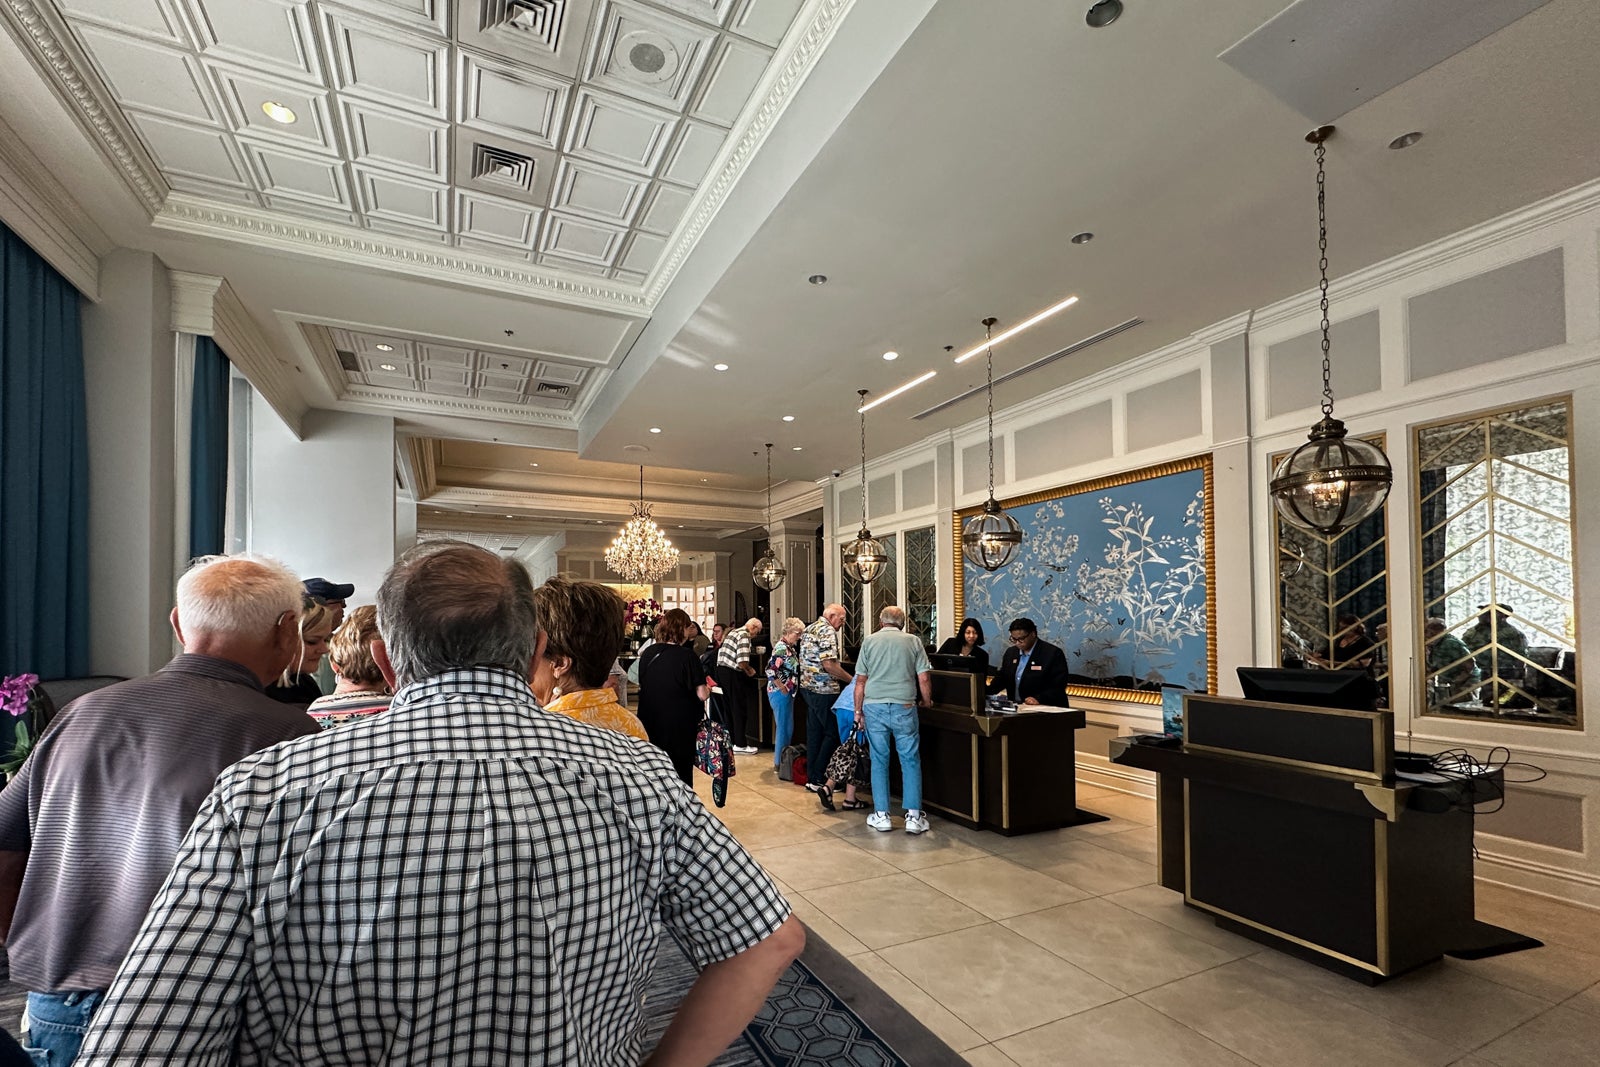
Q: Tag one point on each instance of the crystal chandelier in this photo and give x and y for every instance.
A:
(864, 558)
(1330, 483)
(768, 573)
(641, 553)
(990, 539)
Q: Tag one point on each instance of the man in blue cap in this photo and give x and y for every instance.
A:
(331, 595)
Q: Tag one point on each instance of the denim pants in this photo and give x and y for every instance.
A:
(885, 720)
(782, 720)
(57, 1023)
(822, 733)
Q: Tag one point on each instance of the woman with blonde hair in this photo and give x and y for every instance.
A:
(361, 690)
(783, 679)
(582, 627)
(299, 682)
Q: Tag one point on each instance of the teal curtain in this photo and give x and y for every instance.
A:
(208, 449)
(44, 471)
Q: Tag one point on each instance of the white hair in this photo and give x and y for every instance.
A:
(244, 595)
(892, 616)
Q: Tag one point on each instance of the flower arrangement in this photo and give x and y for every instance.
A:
(641, 618)
(19, 698)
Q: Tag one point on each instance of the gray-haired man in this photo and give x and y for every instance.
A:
(891, 674)
(465, 878)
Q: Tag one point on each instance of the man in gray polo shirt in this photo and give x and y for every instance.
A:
(94, 818)
(891, 675)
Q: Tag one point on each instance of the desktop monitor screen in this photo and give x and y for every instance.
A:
(1319, 689)
(945, 661)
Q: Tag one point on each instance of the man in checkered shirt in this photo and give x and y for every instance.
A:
(464, 879)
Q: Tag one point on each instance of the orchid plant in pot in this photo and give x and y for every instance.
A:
(19, 697)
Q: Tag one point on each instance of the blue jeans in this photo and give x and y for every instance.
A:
(885, 720)
(57, 1023)
(782, 721)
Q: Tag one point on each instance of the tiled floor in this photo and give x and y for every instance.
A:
(1059, 947)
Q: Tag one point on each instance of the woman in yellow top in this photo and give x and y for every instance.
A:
(583, 623)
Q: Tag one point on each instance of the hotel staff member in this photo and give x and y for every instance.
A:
(1032, 671)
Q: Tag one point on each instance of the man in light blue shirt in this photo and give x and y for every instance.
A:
(891, 679)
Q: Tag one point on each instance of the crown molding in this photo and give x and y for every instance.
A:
(785, 74)
(34, 207)
(206, 305)
(47, 41)
(592, 507)
(1462, 244)
(416, 460)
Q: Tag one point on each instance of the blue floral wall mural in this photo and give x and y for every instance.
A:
(1117, 572)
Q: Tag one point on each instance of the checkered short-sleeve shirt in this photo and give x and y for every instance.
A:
(464, 879)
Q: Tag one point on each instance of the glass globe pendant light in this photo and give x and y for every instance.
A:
(864, 558)
(1331, 482)
(768, 573)
(990, 539)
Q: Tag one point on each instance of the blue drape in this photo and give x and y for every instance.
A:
(208, 449)
(44, 470)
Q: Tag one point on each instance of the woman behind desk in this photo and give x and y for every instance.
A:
(967, 642)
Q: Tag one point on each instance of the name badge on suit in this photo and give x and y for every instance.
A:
(1034, 667)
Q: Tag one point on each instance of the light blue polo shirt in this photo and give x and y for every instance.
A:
(891, 660)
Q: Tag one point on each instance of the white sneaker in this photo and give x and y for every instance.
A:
(916, 823)
(746, 750)
(879, 820)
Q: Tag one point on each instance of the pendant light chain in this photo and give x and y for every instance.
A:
(1322, 267)
(863, 394)
(769, 488)
(988, 369)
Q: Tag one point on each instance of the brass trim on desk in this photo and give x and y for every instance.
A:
(1380, 888)
(1322, 769)
(1005, 781)
(975, 769)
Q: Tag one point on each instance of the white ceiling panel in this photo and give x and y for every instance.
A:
(210, 190)
(577, 266)
(558, 372)
(423, 14)
(632, 277)
(243, 95)
(499, 222)
(712, 11)
(273, 34)
(581, 239)
(598, 193)
(186, 150)
(310, 208)
(150, 76)
(517, 103)
(388, 196)
(643, 251)
(692, 157)
(383, 63)
(612, 130)
(150, 18)
(395, 139)
(733, 76)
(667, 205)
(765, 20)
(649, 55)
(445, 357)
(285, 172)
(522, 31)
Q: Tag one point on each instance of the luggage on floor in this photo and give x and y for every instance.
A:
(786, 760)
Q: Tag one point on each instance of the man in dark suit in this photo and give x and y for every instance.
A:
(1032, 671)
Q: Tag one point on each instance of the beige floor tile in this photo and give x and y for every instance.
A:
(996, 981)
(1588, 1000)
(828, 861)
(929, 1012)
(822, 925)
(1087, 866)
(774, 828)
(988, 1056)
(1558, 1038)
(1125, 1033)
(1084, 790)
(1132, 809)
(912, 852)
(1549, 920)
(1167, 907)
(1445, 1003)
(1118, 946)
(1276, 1021)
(1553, 972)
(997, 887)
(890, 911)
(1140, 843)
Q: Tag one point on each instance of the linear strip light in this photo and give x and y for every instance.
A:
(1018, 328)
(1076, 346)
(891, 394)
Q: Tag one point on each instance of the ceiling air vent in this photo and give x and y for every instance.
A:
(497, 166)
(348, 361)
(551, 389)
(537, 19)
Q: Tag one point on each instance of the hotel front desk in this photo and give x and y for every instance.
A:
(1012, 773)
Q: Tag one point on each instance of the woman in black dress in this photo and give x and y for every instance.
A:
(673, 692)
(968, 642)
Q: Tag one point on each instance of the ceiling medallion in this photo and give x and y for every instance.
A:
(641, 552)
(768, 573)
(990, 539)
(864, 558)
(1330, 483)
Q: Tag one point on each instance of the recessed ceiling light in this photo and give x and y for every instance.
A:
(891, 356)
(719, 366)
(510, 516)
(277, 112)
(384, 348)
(796, 448)
(818, 279)
(386, 366)
(1406, 140)
(1103, 14)
(655, 429)
(533, 464)
(702, 481)
(788, 418)
(1082, 238)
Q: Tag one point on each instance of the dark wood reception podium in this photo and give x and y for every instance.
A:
(1012, 773)
(1289, 824)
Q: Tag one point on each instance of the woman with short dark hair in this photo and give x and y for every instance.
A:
(581, 626)
(673, 692)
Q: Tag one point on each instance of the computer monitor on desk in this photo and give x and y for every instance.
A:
(945, 661)
(1318, 689)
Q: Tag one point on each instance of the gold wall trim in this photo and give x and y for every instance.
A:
(1201, 463)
